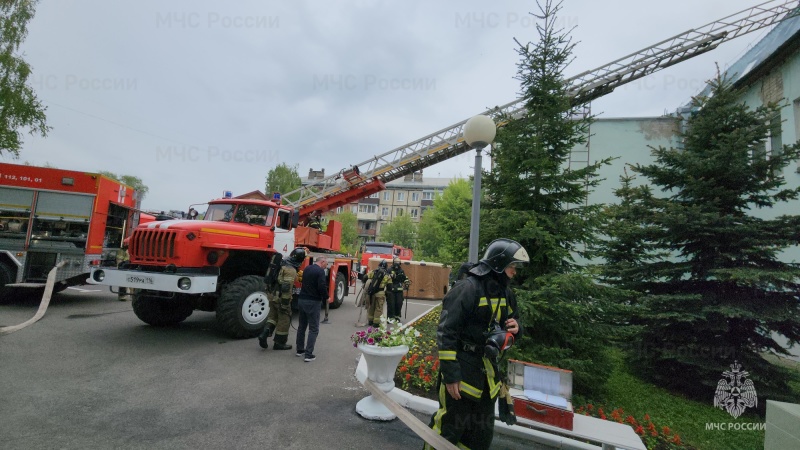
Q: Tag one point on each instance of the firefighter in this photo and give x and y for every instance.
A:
(279, 317)
(394, 297)
(478, 322)
(380, 280)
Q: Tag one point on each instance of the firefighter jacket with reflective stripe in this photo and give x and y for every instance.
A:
(285, 284)
(468, 311)
(398, 277)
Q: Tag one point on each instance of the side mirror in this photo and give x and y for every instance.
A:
(295, 218)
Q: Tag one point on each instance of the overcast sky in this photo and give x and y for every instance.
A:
(197, 97)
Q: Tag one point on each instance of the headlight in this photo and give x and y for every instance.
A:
(99, 275)
(184, 284)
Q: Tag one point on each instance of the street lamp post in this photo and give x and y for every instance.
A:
(479, 132)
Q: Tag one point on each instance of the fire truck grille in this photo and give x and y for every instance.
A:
(152, 245)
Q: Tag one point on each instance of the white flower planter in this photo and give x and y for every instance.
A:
(381, 367)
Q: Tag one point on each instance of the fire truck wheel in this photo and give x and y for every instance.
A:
(338, 295)
(243, 306)
(159, 312)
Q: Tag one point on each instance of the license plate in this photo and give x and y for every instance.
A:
(139, 280)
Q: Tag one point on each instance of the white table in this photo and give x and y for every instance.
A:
(611, 435)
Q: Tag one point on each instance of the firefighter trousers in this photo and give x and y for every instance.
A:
(375, 310)
(466, 423)
(280, 316)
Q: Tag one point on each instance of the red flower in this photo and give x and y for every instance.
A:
(676, 440)
(404, 369)
(647, 417)
(408, 377)
(639, 430)
(666, 431)
(631, 420)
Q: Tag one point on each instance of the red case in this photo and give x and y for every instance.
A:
(538, 412)
(534, 410)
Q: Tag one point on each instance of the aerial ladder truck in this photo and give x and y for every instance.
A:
(222, 263)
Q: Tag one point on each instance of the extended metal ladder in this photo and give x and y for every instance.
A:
(585, 87)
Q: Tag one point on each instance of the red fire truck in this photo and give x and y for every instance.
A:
(52, 215)
(385, 250)
(221, 263)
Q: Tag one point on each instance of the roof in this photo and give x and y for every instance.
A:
(766, 53)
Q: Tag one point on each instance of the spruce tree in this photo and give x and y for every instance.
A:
(534, 197)
(712, 289)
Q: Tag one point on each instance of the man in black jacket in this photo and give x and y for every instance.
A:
(313, 292)
(477, 323)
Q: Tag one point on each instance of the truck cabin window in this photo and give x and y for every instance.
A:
(252, 214)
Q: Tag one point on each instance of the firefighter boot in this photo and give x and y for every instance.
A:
(280, 342)
(267, 332)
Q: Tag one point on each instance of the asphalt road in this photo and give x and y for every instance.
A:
(90, 375)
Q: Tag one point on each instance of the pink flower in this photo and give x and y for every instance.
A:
(370, 341)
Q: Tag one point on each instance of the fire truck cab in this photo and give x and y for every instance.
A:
(385, 250)
(221, 264)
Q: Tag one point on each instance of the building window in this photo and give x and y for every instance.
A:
(368, 209)
(415, 196)
(401, 196)
(387, 195)
(354, 209)
(339, 210)
(399, 212)
(385, 211)
(414, 213)
(428, 195)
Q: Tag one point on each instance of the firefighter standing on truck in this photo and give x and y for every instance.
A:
(279, 317)
(478, 322)
(377, 294)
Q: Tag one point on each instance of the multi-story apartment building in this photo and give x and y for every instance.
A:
(410, 196)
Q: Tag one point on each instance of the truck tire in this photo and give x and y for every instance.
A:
(243, 306)
(339, 289)
(159, 311)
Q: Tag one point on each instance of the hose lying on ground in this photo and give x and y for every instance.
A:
(48, 292)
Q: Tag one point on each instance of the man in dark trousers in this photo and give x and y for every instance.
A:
(313, 292)
(477, 323)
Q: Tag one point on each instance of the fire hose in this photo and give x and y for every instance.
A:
(48, 292)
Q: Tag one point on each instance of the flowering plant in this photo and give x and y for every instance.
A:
(652, 436)
(386, 336)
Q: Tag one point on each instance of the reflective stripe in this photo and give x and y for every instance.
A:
(485, 302)
(494, 386)
(447, 355)
(472, 391)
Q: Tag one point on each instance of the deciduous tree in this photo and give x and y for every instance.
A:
(283, 178)
(20, 109)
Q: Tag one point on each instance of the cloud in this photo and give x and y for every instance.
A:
(197, 97)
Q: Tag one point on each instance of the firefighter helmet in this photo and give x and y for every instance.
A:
(500, 254)
(383, 264)
(296, 257)
(396, 261)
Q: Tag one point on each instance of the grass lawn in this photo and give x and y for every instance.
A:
(687, 418)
